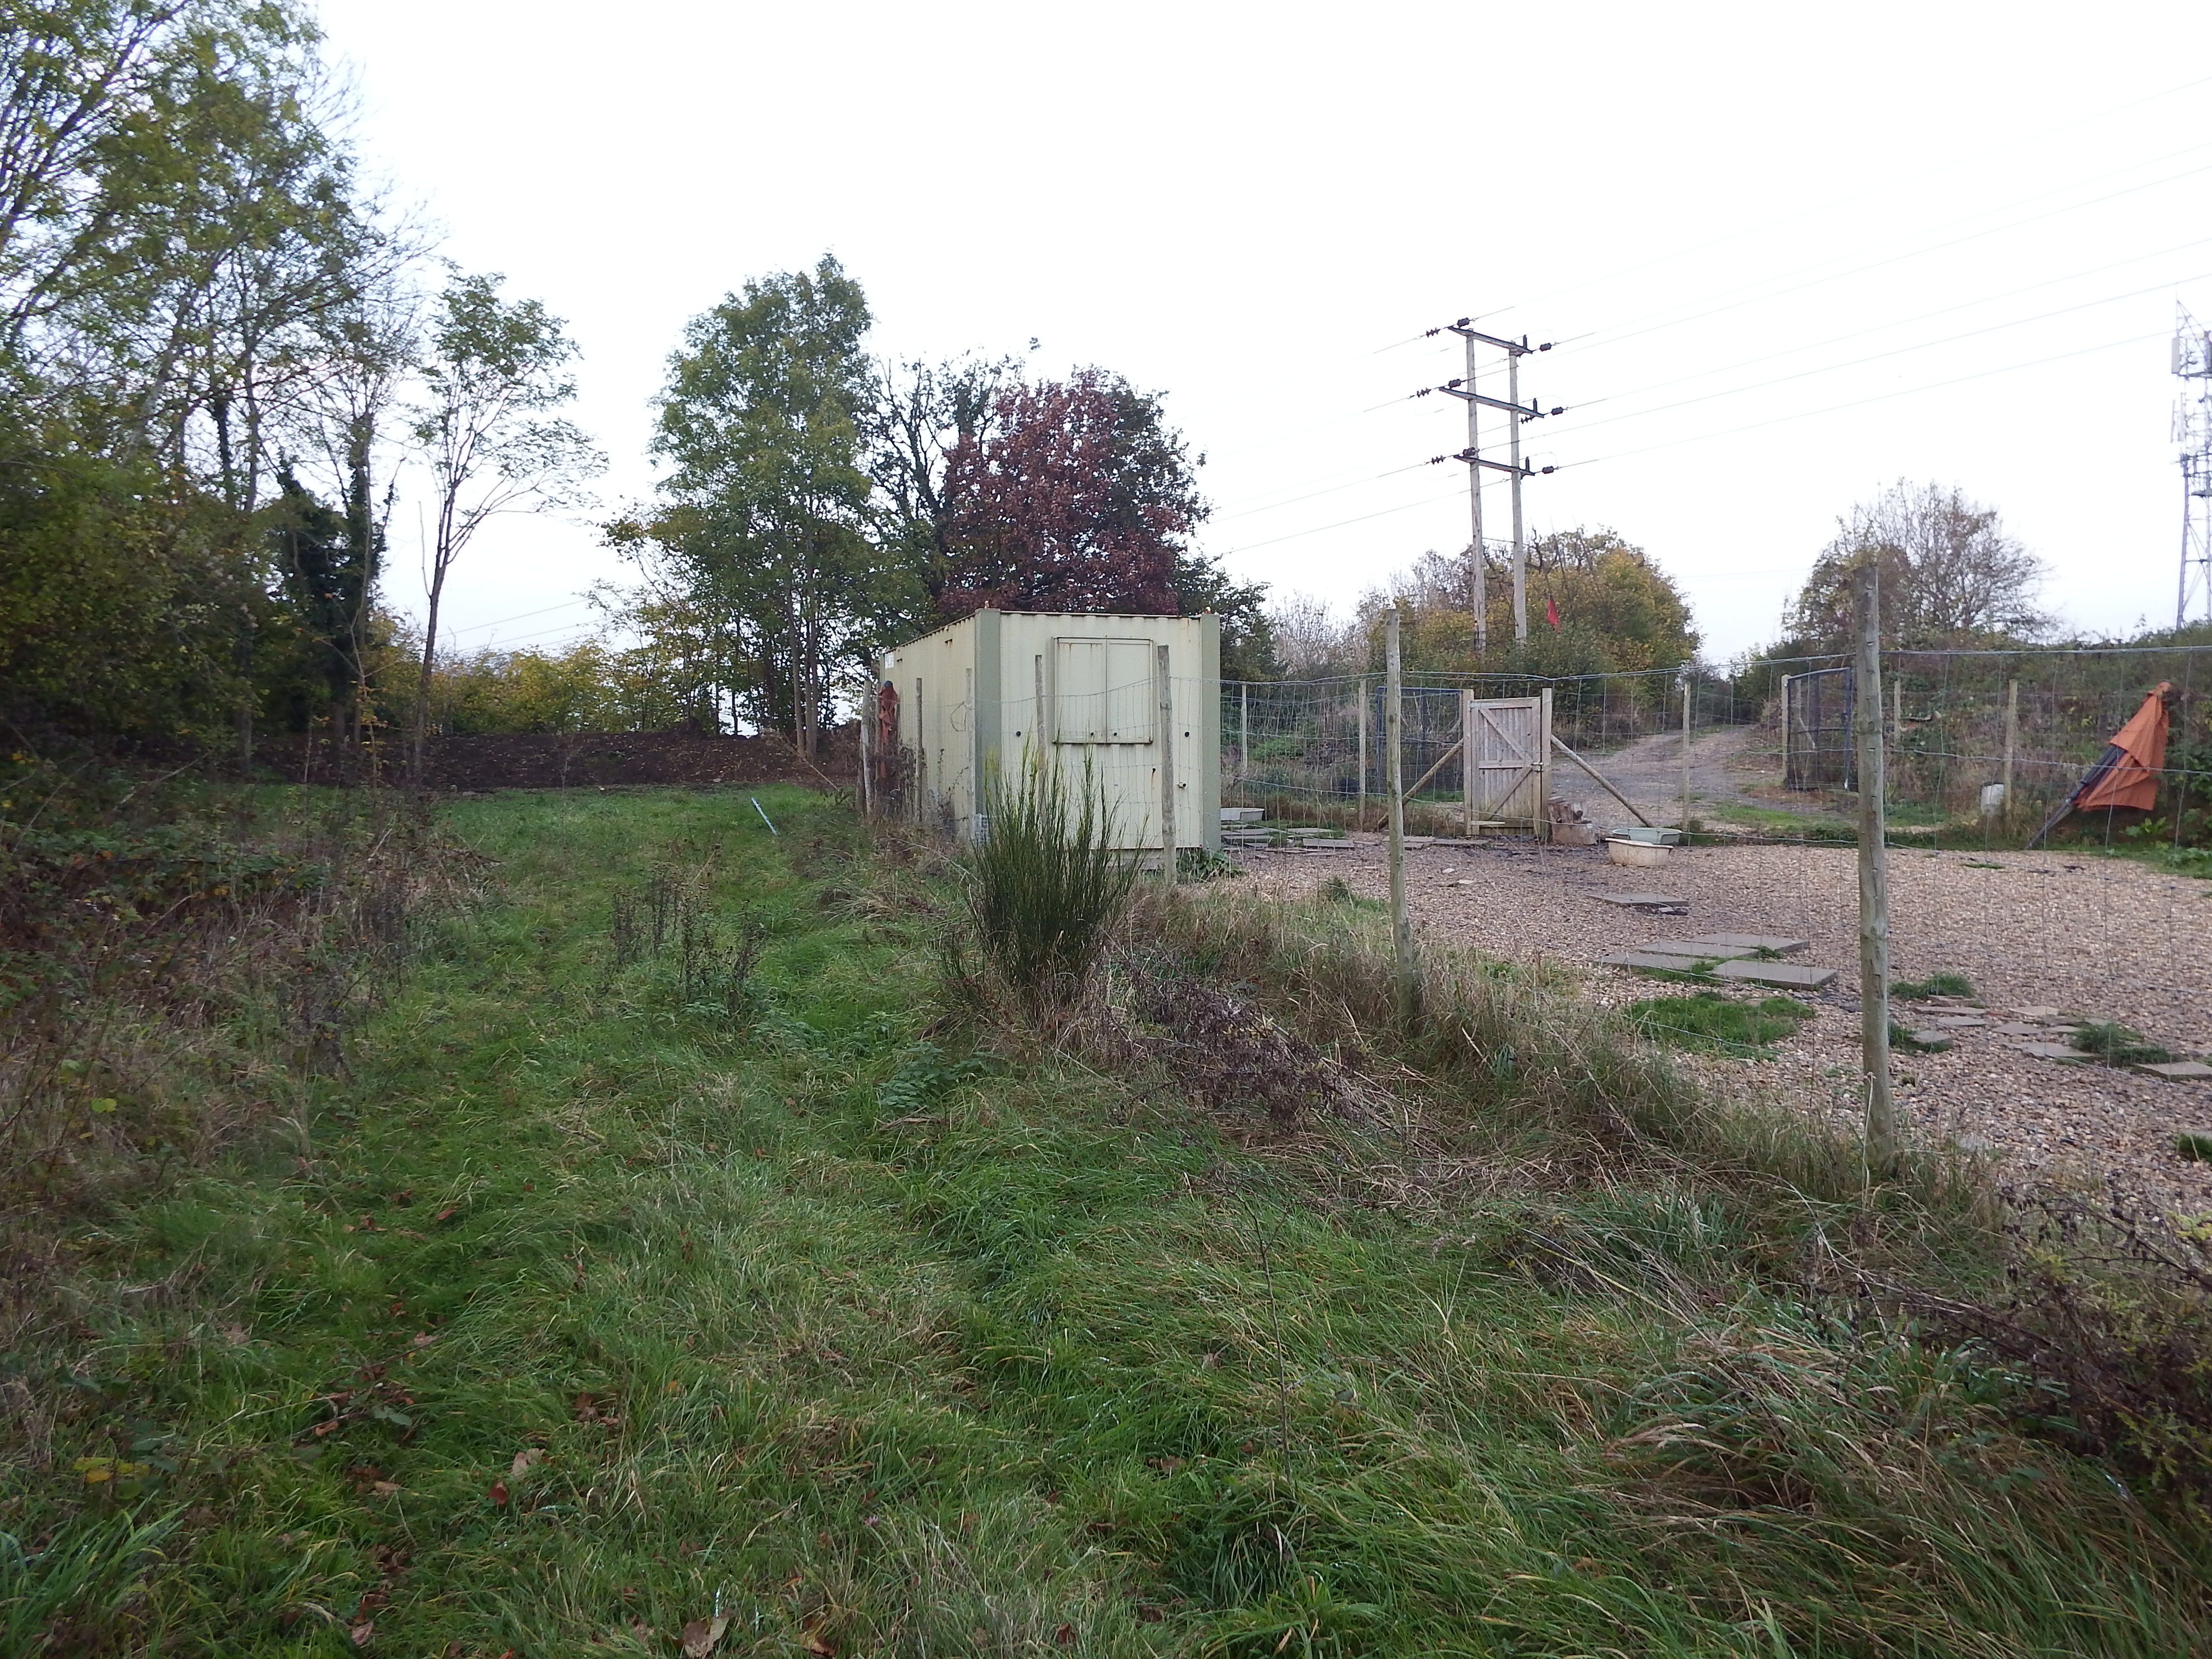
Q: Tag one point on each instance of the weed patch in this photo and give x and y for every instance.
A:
(1944, 984)
(2119, 1045)
(1717, 1023)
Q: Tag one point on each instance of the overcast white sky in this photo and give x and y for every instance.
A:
(1791, 252)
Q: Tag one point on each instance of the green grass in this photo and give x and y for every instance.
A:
(1941, 984)
(1721, 1023)
(886, 1345)
(2119, 1045)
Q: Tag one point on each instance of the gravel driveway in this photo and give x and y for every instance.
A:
(2103, 938)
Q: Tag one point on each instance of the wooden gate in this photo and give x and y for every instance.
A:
(1509, 758)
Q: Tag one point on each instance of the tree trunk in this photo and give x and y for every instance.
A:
(429, 656)
(360, 545)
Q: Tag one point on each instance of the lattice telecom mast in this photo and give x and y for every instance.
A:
(2192, 430)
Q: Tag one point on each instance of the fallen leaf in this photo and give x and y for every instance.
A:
(1065, 1636)
(424, 1339)
(813, 1642)
(452, 1210)
(498, 1493)
(531, 1455)
(365, 1633)
(391, 1488)
(701, 1635)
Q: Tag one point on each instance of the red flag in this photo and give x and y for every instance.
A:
(1552, 612)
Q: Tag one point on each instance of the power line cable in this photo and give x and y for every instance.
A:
(1631, 332)
(478, 627)
(1900, 322)
(1858, 403)
(1887, 187)
(1779, 420)
(1403, 506)
(1875, 358)
(1331, 489)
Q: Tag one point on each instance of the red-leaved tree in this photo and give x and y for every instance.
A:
(1075, 495)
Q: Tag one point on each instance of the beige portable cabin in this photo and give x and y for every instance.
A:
(982, 697)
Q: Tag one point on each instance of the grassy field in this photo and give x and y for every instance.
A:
(678, 1268)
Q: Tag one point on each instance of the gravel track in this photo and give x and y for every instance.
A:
(2103, 938)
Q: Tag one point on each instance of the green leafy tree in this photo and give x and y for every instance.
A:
(920, 414)
(496, 370)
(764, 425)
(1617, 613)
(1951, 576)
(181, 240)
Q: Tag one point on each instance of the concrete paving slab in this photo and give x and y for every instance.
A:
(1953, 1021)
(2179, 1070)
(1932, 1038)
(1699, 947)
(1780, 944)
(2037, 1013)
(1638, 901)
(2017, 1028)
(1787, 975)
(1651, 960)
(2050, 1051)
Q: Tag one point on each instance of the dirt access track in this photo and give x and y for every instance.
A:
(2088, 936)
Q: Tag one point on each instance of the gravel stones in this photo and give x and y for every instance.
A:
(2101, 938)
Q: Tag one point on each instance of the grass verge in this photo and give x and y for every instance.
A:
(599, 1302)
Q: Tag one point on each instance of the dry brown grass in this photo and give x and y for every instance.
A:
(173, 975)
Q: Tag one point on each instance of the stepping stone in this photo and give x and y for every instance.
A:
(2050, 1051)
(2037, 1013)
(1637, 901)
(1932, 1039)
(1780, 944)
(2017, 1028)
(1699, 947)
(1789, 975)
(2179, 1069)
(1957, 1022)
(1651, 960)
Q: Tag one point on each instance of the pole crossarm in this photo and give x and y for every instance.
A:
(1472, 459)
(1527, 411)
(1517, 347)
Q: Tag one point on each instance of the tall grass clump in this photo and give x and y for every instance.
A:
(1045, 884)
(1516, 1067)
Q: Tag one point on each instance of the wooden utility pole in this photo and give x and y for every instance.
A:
(1360, 815)
(1402, 926)
(1478, 559)
(1167, 770)
(1466, 761)
(2012, 739)
(1512, 466)
(1513, 460)
(1685, 756)
(1881, 1139)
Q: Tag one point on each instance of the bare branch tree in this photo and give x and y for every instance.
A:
(495, 370)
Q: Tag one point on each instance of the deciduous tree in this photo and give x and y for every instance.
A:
(496, 370)
(1950, 574)
(1077, 496)
(767, 507)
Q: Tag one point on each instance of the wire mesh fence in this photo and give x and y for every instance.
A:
(1997, 738)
